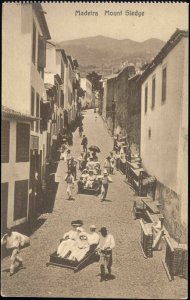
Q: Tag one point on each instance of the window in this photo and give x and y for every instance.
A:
(146, 99)
(62, 98)
(62, 71)
(5, 140)
(37, 110)
(4, 205)
(34, 43)
(149, 133)
(22, 142)
(153, 91)
(20, 199)
(41, 53)
(164, 78)
(32, 106)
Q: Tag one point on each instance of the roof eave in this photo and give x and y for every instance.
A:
(170, 44)
(42, 20)
(15, 116)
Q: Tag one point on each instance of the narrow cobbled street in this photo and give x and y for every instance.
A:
(134, 275)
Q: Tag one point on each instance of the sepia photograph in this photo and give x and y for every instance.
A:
(94, 150)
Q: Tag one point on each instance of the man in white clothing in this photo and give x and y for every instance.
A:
(70, 184)
(106, 244)
(13, 241)
(105, 183)
(93, 237)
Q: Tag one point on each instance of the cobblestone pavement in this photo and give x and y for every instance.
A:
(135, 277)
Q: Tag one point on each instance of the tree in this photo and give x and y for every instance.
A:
(94, 78)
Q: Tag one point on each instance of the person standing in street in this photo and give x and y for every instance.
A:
(105, 247)
(107, 165)
(73, 167)
(105, 183)
(70, 184)
(80, 130)
(117, 159)
(112, 163)
(13, 240)
(68, 158)
(84, 143)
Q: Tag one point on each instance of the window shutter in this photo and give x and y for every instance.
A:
(20, 199)
(5, 140)
(62, 98)
(34, 44)
(41, 52)
(4, 205)
(22, 142)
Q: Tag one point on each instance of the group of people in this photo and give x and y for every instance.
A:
(76, 243)
(91, 176)
(91, 172)
(71, 175)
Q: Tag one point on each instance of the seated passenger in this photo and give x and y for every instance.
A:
(97, 165)
(97, 168)
(84, 175)
(80, 248)
(96, 171)
(69, 239)
(93, 237)
(90, 165)
(90, 179)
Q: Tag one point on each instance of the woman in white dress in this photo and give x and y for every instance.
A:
(80, 248)
(69, 240)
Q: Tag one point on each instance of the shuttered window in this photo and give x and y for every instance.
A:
(34, 44)
(20, 199)
(41, 53)
(22, 142)
(146, 99)
(62, 71)
(32, 105)
(37, 110)
(164, 78)
(4, 205)
(62, 98)
(5, 141)
(153, 91)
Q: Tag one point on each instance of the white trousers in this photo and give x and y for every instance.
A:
(14, 258)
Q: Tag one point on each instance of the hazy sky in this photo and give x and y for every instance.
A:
(159, 20)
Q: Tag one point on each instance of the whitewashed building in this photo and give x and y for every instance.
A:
(86, 85)
(164, 130)
(24, 38)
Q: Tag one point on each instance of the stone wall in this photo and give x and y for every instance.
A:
(171, 209)
(133, 133)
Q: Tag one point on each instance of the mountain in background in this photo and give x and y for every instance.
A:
(106, 55)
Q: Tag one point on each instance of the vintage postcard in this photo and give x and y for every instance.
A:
(94, 145)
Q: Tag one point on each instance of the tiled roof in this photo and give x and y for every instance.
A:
(12, 114)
